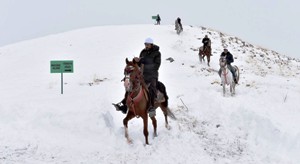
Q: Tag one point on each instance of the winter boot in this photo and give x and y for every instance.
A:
(235, 80)
(151, 109)
(120, 107)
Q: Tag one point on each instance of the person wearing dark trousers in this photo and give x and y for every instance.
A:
(229, 59)
(150, 58)
(158, 19)
(206, 42)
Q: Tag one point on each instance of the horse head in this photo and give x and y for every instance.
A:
(133, 75)
(222, 62)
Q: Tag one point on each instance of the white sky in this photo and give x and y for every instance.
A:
(271, 24)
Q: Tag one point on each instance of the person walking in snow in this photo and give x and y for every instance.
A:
(158, 19)
(178, 26)
(229, 59)
(149, 60)
(178, 23)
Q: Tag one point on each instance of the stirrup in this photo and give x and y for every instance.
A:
(151, 111)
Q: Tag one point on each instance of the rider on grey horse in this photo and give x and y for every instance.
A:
(229, 59)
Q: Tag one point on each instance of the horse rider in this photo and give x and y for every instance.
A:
(229, 59)
(206, 42)
(178, 23)
(150, 58)
(158, 19)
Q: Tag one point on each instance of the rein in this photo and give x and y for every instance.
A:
(134, 100)
(137, 93)
(224, 68)
(225, 74)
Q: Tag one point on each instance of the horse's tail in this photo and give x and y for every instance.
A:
(162, 88)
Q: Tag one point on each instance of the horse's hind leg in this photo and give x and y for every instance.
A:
(154, 123)
(233, 89)
(165, 111)
(129, 116)
(145, 121)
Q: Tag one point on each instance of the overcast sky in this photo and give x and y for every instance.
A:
(273, 24)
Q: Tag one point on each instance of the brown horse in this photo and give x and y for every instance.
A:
(205, 52)
(138, 99)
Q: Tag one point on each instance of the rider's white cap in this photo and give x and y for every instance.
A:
(149, 41)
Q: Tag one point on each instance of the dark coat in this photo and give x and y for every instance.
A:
(179, 21)
(229, 57)
(206, 41)
(151, 59)
(158, 18)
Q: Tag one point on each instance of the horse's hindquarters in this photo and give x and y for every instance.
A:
(237, 73)
(160, 97)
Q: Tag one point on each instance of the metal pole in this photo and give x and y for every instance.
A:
(62, 83)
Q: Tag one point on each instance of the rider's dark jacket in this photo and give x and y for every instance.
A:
(229, 57)
(205, 41)
(151, 59)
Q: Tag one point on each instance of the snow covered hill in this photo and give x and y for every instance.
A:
(39, 125)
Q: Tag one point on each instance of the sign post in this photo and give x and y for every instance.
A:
(61, 66)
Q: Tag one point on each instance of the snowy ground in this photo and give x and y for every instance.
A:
(39, 125)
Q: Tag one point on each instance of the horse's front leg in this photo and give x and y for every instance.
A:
(200, 58)
(224, 89)
(154, 123)
(145, 120)
(208, 60)
(128, 117)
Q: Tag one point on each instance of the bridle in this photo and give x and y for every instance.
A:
(133, 84)
(222, 62)
(224, 68)
(132, 79)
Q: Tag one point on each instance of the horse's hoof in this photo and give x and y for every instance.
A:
(168, 127)
(129, 141)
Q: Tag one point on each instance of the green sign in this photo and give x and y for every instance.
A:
(62, 66)
(154, 17)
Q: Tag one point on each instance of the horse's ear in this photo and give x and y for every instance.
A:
(127, 61)
(133, 61)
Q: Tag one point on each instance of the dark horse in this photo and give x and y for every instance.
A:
(138, 99)
(205, 52)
